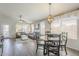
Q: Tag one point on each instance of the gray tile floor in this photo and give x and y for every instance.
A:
(27, 48)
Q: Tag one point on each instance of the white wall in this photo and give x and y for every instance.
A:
(47, 25)
(5, 20)
(42, 27)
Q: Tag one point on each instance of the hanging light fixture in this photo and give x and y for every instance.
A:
(50, 16)
(21, 21)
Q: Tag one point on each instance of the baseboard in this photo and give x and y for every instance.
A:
(73, 49)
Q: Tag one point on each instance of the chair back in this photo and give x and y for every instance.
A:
(53, 36)
(54, 43)
(54, 39)
(37, 35)
(39, 41)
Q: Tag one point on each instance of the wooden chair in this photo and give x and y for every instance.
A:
(53, 45)
(63, 44)
(40, 43)
(1, 44)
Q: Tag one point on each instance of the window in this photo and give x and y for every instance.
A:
(42, 27)
(5, 30)
(68, 25)
(23, 28)
(32, 28)
(71, 28)
(55, 26)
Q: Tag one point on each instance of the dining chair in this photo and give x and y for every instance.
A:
(53, 44)
(1, 44)
(64, 38)
(40, 42)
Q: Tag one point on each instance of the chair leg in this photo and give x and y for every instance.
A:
(61, 48)
(48, 53)
(44, 50)
(58, 53)
(36, 49)
(65, 50)
(2, 51)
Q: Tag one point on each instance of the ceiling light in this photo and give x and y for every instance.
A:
(50, 16)
(21, 21)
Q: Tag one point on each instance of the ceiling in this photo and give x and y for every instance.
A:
(34, 11)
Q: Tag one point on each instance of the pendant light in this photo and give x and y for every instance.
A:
(50, 16)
